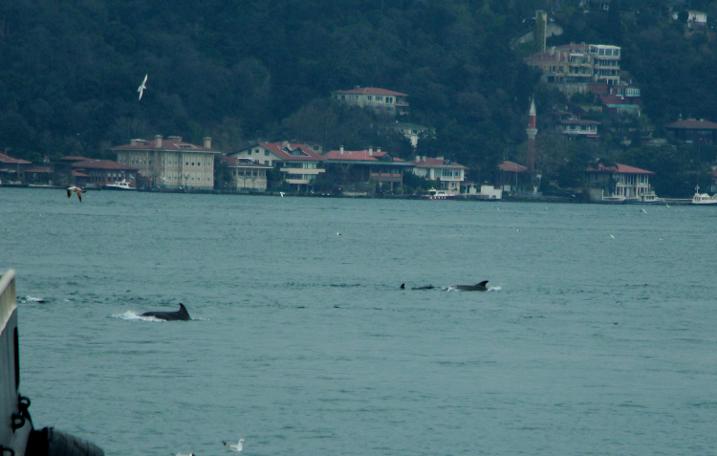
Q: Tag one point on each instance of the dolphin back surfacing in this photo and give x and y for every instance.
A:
(480, 286)
(180, 314)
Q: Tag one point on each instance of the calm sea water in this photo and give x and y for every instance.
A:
(303, 343)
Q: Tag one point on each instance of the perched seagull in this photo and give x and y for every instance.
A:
(142, 87)
(76, 190)
(236, 447)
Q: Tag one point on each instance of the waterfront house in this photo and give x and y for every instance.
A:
(366, 172)
(693, 131)
(298, 164)
(12, 170)
(446, 175)
(94, 173)
(242, 175)
(618, 183)
(379, 100)
(513, 177)
(170, 163)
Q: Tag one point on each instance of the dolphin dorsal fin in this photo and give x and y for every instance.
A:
(482, 284)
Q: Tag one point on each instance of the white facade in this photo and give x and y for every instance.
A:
(170, 164)
(448, 175)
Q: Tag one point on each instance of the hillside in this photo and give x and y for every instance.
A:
(260, 68)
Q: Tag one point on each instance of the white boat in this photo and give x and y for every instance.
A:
(123, 184)
(434, 194)
(703, 199)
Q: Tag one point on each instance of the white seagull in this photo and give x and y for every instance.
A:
(282, 194)
(142, 87)
(76, 190)
(186, 454)
(236, 447)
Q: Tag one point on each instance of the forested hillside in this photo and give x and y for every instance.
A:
(238, 70)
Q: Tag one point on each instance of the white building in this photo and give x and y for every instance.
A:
(170, 163)
(619, 183)
(242, 174)
(579, 128)
(380, 100)
(299, 164)
(446, 174)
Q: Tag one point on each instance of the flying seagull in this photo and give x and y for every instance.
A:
(236, 447)
(76, 190)
(142, 87)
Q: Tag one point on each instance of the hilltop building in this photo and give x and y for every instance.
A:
(691, 130)
(573, 67)
(170, 164)
(297, 163)
(380, 100)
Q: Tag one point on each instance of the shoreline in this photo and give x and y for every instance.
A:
(515, 199)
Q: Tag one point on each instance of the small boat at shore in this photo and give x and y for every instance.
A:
(703, 199)
(123, 184)
(434, 194)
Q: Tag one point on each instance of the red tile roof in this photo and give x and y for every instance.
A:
(693, 124)
(8, 160)
(619, 168)
(92, 163)
(76, 173)
(372, 91)
(436, 162)
(512, 167)
(287, 151)
(74, 158)
(365, 155)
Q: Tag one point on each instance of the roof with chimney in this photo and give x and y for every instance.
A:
(288, 151)
(368, 156)
(170, 143)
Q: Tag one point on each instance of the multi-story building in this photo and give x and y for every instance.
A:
(366, 171)
(299, 164)
(243, 175)
(690, 130)
(448, 175)
(380, 100)
(619, 183)
(170, 164)
(573, 67)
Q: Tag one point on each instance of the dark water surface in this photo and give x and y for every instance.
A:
(304, 345)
